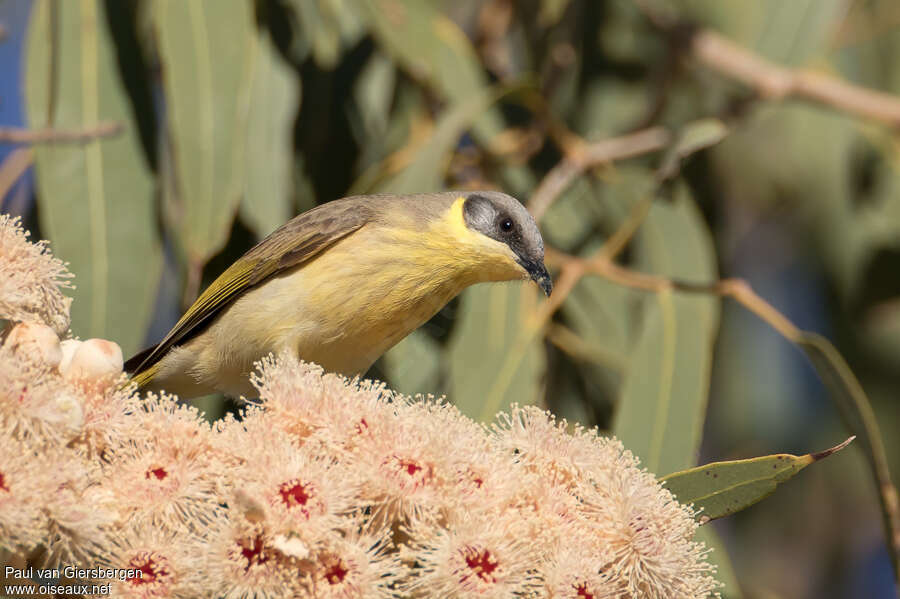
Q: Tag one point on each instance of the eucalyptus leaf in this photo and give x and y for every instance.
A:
(321, 30)
(97, 198)
(693, 137)
(434, 50)
(663, 401)
(206, 50)
(414, 365)
(723, 488)
(275, 98)
(426, 172)
(373, 95)
(495, 356)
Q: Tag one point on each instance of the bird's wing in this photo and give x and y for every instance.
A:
(295, 243)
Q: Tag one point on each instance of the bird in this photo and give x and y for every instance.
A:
(340, 284)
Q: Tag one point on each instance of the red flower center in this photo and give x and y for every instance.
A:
(3, 486)
(336, 572)
(582, 591)
(362, 426)
(159, 472)
(481, 563)
(294, 493)
(410, 466)
(150, 569)
(252, 550)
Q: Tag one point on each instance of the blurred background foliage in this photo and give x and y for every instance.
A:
(202, 125)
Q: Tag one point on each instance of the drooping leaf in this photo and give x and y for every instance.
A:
(97, 198)
(414, 365)
(426, 171)
(495, 355)
(275, 96)
(663, 401)
(205, 47)
(434, 50)
(601, 312)
(693, 137)
(327, 26)
(723, 488)
(373, 94)
(856, 409)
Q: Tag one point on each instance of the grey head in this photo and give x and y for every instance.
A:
(504, 219)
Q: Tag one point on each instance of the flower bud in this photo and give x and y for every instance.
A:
(95, 358)
(69, 347)
(36, 342)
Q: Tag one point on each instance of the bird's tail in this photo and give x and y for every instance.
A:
(144, 377)
(134, 363)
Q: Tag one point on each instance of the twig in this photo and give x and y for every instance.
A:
(569, 342)
(14, 135)
(775, 82)
(585, 156)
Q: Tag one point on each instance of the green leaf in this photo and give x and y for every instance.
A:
(601, 312)
(495, 355)
(664, 396)
(856, 409)
(426, 172)
(373, 94)
(97, 198)
(414, 365)
(434, 50)
(205, 47)
(693, 137)
(274, 100)
(723, 488)
(329, 25)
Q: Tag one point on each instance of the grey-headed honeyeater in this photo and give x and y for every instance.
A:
(341, 284)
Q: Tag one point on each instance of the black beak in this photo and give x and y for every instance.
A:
(538, 273)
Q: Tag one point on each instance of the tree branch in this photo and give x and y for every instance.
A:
(775, 82)
(588, 155)
(15, 135)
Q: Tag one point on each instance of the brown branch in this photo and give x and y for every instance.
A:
(587, 155)
(15, 135)
(573, 345)
(775, 82)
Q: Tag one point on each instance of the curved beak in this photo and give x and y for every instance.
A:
(538, 273)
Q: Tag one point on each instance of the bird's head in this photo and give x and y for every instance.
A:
(507, 232)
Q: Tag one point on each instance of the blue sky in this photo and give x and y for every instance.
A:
(14, 18)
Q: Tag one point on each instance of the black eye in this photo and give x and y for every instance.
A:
(506, 225)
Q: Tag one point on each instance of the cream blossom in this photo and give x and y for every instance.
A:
(324, 487)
